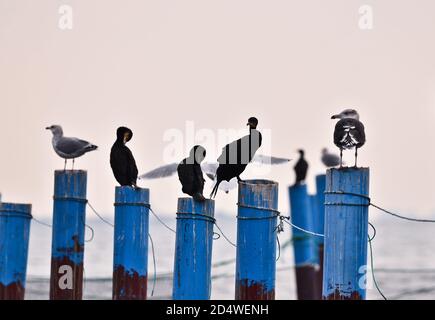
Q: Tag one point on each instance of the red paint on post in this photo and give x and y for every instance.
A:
(13, 291)
(306, 286)
(338, 295)
(56, 292)
(128, 285)
(250, 290)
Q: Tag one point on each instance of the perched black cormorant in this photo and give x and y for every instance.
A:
(349, 132)
(236, 155)
(301, 168)
(122, 160)
(190, 173)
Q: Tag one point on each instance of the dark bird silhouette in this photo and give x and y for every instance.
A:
(301, 168)
(122, 160)
(209, 169)
(329, 159)
(236, 156)
(190, 173)
(69, 147)
(349, 132)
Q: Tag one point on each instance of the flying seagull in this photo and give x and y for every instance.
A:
(190, 173)
(122, 160)
(330, 159)
(236, 155)
(210, 168)
(301, 168)
(349, 132)
(68, 148)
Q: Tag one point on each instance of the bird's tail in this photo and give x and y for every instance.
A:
(91, 147)
(215, 190)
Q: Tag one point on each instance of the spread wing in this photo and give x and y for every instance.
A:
(263, 159)
(161, 172)
(209, 168)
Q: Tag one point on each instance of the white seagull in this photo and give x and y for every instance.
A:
(69, 148)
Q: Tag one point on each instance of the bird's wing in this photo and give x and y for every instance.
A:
(209, 168)
(71, 145)
(263, 159)
(161, 172)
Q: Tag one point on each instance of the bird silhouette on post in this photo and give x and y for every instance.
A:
(349, 133)
(122, 160)
(329, 159)
(236, 156)
(301, 168)
(68, 147)
(190, 173)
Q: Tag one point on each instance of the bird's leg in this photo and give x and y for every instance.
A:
(64, 167)
(356, 157)
(341, 158)
(73, 164)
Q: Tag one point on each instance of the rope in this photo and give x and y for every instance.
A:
(372, 262)
(288, 221)
(154, 263)
(377, 207)
(256, 208)
(279, 248)
(76, 199)
(92, 232)
(225, 237)
(164, 224)
(99, 216)
(42, 223)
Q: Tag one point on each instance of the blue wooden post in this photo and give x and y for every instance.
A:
(193, 250)
(256, 240)
(346, 224)
(14, 247)
(130, 262)
(319, 226)
(68, 240)
(303, 243)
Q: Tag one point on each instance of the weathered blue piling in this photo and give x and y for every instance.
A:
(256, 240)
(319, 227)
(130, 263)
(303, 243)
(68, 240)
(14, 246)
(193, 250)
(346, 235)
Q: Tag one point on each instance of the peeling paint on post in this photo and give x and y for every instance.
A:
(303, 243)
(130, 262)
(14, 246)
(193, 250)
(256, 240)
(319, 227)
(346, 236)
(68, 240)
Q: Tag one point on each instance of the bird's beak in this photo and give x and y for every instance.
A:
(47, 128)
(335, 116)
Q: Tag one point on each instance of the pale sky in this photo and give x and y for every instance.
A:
(153, 65)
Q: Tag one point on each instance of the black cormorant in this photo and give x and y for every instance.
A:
(190, 173)
(236, 155)
(122, 160)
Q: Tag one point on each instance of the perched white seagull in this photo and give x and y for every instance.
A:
(349, 132)
(68, 148)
